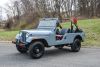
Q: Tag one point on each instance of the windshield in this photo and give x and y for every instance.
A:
(52, 29)
(47, 24)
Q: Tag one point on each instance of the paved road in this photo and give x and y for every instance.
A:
(87, 57)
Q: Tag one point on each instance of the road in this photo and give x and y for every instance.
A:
(87, 57)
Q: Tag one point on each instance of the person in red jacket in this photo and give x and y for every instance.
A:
(74, 21)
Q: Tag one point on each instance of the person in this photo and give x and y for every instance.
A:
(74, 21)
(59, 27)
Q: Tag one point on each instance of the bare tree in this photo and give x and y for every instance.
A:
(32, 10)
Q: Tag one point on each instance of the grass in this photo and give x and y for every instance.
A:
(91, 28)
(7, 35)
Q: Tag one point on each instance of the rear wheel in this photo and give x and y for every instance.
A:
(36, 50)
(75, 47)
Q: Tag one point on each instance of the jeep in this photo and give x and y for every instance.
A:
(48, 33)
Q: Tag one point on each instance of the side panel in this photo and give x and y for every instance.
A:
(71, 36)
(68, 38)
(51, 39)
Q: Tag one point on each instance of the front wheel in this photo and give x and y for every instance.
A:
(36, 50)
(21, 49)
(75, 47)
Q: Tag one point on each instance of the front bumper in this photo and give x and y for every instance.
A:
(19, 43)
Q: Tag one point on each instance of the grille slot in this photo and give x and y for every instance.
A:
(23, 36)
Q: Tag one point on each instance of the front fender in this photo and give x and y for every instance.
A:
(17, 36)
(30, 39)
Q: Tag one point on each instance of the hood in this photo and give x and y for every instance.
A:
(38, 32)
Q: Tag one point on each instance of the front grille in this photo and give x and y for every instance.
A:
(23, 36)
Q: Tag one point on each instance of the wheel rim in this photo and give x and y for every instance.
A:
(37, 51)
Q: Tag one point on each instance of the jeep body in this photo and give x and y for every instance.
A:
(46, 33)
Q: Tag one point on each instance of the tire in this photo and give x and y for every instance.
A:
(21, 50)
(36, 50)
(75, 47)
(59, 47)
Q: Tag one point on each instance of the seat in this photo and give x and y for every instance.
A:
(63, 31)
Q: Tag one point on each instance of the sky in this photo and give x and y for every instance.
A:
(3, 4)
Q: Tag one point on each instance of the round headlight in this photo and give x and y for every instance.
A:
(27, 35)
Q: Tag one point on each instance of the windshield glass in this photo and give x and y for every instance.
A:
(44, 28)
(47, 23)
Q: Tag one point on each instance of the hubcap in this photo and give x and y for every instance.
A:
(36, 50)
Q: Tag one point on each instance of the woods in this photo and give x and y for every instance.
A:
(89, 8)
(29, 11)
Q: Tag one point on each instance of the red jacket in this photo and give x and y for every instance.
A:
(74, 20)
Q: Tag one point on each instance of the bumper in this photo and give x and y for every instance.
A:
(19, 44)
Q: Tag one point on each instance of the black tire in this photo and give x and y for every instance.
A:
(21, 50)
(59, 47)
(75, 47)
(36, 50)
